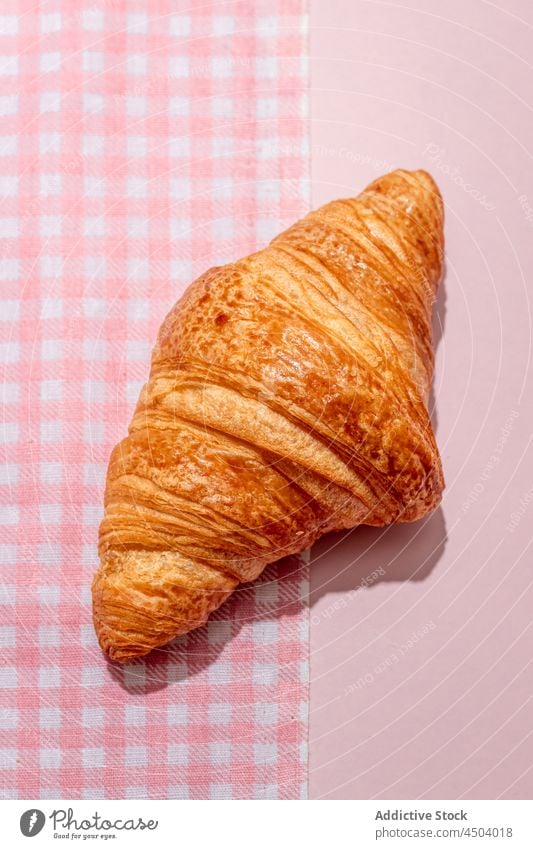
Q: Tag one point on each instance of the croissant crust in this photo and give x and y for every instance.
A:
(287, 397)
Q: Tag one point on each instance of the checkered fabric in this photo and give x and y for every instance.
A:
(140, 143)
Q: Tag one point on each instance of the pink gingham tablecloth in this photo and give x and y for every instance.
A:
(140, 143)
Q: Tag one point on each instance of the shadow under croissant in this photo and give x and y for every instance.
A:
(340, 562)
(365, 557)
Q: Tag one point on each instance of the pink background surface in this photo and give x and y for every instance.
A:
(421, 683)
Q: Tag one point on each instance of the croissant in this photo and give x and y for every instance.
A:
(287, 397)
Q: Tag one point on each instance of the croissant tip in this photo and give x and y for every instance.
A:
(419, 175)
(117, 655)
(110, 640)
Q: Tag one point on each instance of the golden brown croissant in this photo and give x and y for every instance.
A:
(287, 397)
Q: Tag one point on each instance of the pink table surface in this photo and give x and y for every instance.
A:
(421, 682)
